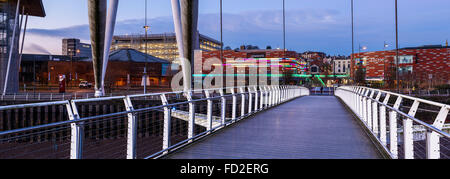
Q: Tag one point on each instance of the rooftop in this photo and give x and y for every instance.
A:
(132, 55)
(159, 36)
(32, 7)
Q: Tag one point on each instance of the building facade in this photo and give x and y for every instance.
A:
(342, 66)
(245, 66)
(163, 46)
(10, 18)
(125, 68)
(418, 66)
(73, 47)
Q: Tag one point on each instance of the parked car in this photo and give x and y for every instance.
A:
(85, 84)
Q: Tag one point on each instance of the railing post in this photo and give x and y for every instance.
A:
(270, 95)
(242, 90)
(369, 113)
(364, 107)
(233, 110)
(167, 123)
(357, 100)
(433, 145)
(266, 102)
(132, 129)
(408, 136)
(383, 132)
(375, 114)
(278, 94)
(250, 100)
(223, 107)
(393, 136)
(191, 120)
(256, 98)
(209, 111)
(77, 131)
(261, 104)
(433, 138)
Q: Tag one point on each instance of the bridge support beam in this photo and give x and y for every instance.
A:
(110, 25)
(189, 20)
(97, 23)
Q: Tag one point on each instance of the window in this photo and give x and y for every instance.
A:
(314, 69)
(405, 70)
(359, 61)
(405, 59)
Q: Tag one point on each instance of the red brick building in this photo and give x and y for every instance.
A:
(417, 66)
(244, 59)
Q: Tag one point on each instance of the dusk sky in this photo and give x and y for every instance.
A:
(316, 25)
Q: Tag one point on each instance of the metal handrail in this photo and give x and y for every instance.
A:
(274, 95)
(434, 129)
(366, 104)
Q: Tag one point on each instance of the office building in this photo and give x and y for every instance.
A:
(10, 32)
(163, 46)
(73, 47)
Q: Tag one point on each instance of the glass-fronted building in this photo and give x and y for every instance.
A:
(163, 46)
(8, 20)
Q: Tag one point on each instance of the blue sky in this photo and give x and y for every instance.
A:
(318, 25)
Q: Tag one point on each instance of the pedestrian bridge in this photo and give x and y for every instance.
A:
(267, 122)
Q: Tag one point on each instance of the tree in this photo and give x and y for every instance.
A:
(360, 76)
(227, 48)
(287, 76)
(268, 47)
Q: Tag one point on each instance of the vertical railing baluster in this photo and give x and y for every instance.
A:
(209, 111)
(191, 120)
(233, 109)
(167, 124)
(256, 98)
(250, 100)
(77, 131)
(261, 104)
(433, 138)
(132, 129)
(242, 90)
(223, 107)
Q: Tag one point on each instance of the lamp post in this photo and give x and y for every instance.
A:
(353, 37)
(284, 29)
(146, 27)
(396, 43)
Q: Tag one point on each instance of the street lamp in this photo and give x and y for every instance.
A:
(146, 27)
(353, 37)
(396, 43)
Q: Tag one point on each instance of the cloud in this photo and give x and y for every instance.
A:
(257, 27)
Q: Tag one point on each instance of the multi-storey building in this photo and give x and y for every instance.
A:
(342, 66)
(9, 38)
(74, 48)
(419, 65)
(163, 46)
(248, 64)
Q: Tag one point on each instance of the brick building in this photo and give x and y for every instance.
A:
(125, 67)
(418, 66)
(271, 62)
